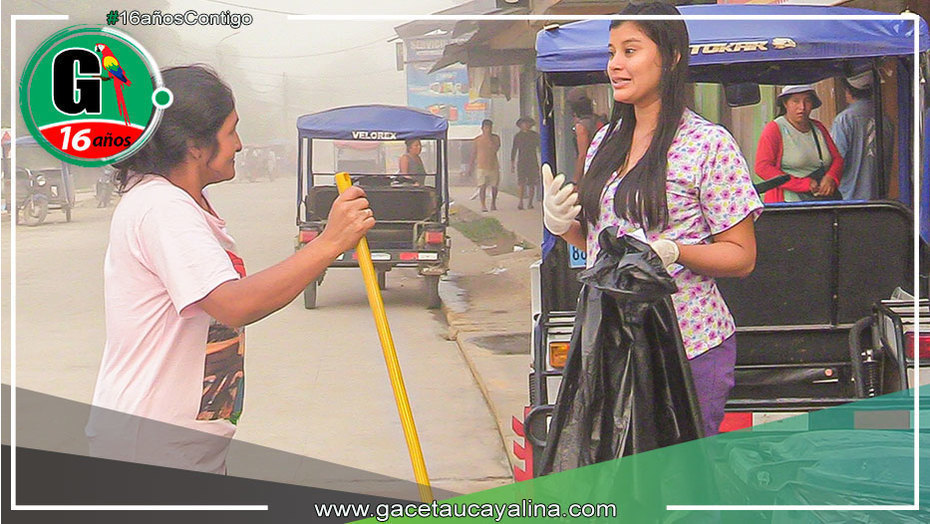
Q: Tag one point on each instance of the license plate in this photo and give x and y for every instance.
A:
(576, 257)
(380, 256)
(428, 256)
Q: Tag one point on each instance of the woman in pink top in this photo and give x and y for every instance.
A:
(661, 171)
(171, 381)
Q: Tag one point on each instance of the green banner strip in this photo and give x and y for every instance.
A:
(858, 454)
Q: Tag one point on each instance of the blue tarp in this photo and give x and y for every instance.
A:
(822, 49)
(924, 211)
(582, 46)
(372, 122)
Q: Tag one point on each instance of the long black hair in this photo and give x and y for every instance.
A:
(201, 104)
(641, 197)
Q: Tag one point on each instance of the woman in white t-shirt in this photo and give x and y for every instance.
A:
(171, 380)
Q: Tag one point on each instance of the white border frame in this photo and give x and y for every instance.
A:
(550, 18)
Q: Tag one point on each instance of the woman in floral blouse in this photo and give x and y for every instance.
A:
(659, 170)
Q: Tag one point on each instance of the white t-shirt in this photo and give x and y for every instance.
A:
(800, 155)
(166, 360)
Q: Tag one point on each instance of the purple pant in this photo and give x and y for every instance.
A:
(712, 372)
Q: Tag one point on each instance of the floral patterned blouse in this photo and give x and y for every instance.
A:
(709, 190)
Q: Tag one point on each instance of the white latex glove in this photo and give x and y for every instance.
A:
(667, 250)
(559, 203)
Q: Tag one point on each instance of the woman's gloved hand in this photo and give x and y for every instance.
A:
(667, 250)
(559, 203)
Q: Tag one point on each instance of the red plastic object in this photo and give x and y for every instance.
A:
(923, 346)
(434, 237)
(517, 426)
(735, 421)
(306, 235)
(522, 450)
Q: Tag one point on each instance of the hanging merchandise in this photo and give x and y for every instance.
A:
(503, 87)
(494, 81)
(478, 84)
(627, 386)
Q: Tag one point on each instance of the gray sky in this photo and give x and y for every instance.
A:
(312, 65)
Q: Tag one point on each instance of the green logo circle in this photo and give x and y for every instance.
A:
(162, 97)
(91, 96)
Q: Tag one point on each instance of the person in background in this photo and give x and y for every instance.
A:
(854, 132)
(485, 164)
(410, 162)
(270, 164)
(794, 144)
(584, 125)
(660, 170)
(171, 382)
(524, 160)
(5, 177)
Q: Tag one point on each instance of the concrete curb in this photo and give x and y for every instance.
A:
(502, 419)
(501, 378)
(482, 385)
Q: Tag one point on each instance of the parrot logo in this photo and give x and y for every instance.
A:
(115, 73)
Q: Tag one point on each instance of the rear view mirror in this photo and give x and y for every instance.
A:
(742, 94)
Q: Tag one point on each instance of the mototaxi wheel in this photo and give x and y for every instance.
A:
(310, 293)
(34, 211)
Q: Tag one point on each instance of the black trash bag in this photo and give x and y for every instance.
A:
(626, 387)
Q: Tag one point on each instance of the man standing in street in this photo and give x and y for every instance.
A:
(854, 133)
(484, 158)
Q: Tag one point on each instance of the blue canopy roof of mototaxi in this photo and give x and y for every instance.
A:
(372, 122)
(582, 46)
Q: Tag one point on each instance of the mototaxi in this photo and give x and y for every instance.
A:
(816, 325)
(412, 211)
(43, 183)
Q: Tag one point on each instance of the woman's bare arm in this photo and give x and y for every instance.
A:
(240, 302)
(732, 253)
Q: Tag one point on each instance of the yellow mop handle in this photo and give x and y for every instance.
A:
(343, 182)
